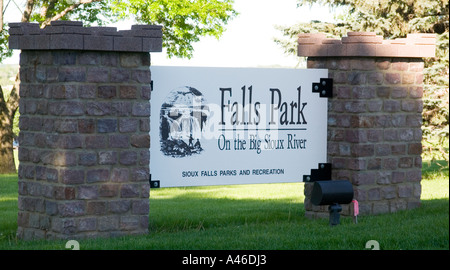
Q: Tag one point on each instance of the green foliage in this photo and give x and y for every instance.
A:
(94, 12)
(5, 52)
(396, 19)
(436, 102)
(183, 21)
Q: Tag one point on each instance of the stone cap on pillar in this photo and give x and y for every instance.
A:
(366, 44)
(71, 35)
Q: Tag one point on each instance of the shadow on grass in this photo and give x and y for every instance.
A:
(435, 167)
(197, 211)
(252, 225)
(249, 224)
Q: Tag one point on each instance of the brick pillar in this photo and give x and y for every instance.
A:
(374, 117)
(84, 129)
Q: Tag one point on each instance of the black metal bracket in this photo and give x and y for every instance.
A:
(323, 173)
(151, 85)
(153, 183)
(324, 88)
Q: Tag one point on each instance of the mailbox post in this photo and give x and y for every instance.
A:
(335, 214)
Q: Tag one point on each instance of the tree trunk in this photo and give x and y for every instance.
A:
(7, 110)
(6, 140)
(28, 10)
(6, 147)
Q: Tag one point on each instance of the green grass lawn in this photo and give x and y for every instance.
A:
(258, 217)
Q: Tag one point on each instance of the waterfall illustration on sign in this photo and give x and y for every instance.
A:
(183, 118)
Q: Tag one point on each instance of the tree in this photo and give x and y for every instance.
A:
(183, 21)
(395, 19)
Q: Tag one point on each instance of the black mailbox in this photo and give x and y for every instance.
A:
(332, 193)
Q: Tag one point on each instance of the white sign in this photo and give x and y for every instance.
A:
(223, 126)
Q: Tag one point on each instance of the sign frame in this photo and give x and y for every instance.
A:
(254, 117)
